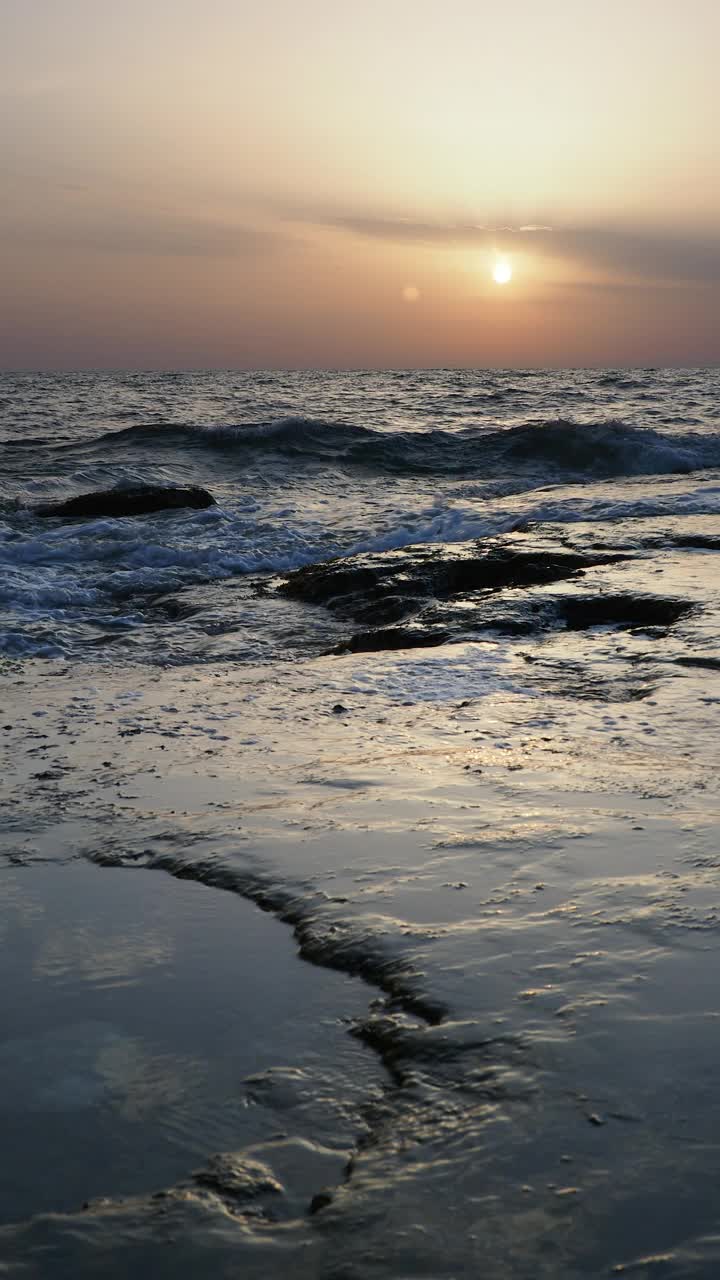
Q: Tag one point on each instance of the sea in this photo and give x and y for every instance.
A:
(360, 864)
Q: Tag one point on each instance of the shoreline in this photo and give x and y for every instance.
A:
(526, 881)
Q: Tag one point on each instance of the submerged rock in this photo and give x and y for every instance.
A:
(429, 595)
(237, 1177)
(136, 501)
(523, 616)
(622, 609)
(422, 596)
(382, 588)
(321, 1200)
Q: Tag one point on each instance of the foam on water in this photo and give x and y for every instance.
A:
(102, 572)
(460, 671)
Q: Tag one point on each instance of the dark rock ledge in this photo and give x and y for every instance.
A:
(431, 595)
(136, 501)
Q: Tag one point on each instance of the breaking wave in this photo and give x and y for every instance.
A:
(558, 447)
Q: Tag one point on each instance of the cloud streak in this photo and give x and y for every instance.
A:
(153, 235)
(646, 253)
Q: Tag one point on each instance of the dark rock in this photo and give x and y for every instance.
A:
(520, 616)
(366, 588)
(580, 612)
(689, 660)
(385, 638)
(173, 609)
(438, 592)
(237, 1177)
(129, 502)
(339, 709)
(320, 1201)
(697, 541)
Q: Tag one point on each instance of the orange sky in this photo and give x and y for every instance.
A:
(321, 184)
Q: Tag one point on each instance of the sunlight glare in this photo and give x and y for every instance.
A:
(502, 271)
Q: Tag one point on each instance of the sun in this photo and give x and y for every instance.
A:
(502, 271)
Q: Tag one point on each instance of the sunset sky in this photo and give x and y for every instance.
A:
(314, 183)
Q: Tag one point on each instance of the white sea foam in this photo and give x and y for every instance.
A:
(52, 571)
(440, 675)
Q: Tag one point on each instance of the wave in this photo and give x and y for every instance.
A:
(620, 381)
(611, 449)
(98, 586)
(556, 448)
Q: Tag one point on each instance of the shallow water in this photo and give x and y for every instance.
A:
(498, 853)
(139, 1032)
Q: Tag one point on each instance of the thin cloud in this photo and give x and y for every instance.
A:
(648, 254)
(155, 235)
(408, 230)
(652, 254)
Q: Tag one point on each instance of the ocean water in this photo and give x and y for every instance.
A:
(472, 763)
(307, 466)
